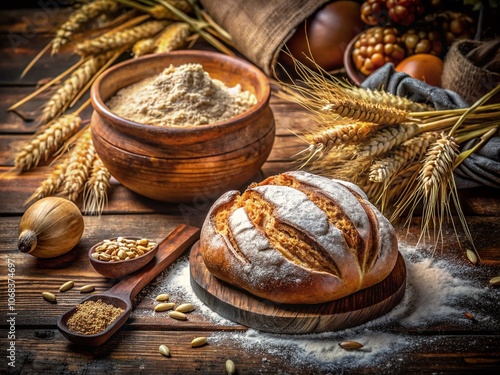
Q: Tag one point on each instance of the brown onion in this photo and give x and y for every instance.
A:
(50, 227)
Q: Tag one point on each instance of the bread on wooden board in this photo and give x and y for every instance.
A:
(298, 238)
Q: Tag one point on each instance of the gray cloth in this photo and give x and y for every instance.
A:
(482, 168)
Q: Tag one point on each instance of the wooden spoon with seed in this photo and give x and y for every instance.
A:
(122, 294)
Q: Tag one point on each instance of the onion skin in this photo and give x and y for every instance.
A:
(50, 227)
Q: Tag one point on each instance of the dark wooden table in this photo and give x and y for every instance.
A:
(28, 322)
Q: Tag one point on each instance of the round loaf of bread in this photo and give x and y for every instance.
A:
(298, 238)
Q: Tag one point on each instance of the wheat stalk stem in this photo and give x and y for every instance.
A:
(48, 84)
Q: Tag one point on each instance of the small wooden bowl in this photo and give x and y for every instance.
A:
(121, 268)
(191, 163)
(352, 72)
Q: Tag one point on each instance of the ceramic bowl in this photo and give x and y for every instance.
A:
(120, 269)
(189, 163)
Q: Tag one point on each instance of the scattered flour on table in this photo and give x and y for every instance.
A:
(438, 292)
(180, 96)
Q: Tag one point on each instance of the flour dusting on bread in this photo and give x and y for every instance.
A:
(298, 238)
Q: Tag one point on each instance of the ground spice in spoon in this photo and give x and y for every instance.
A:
(92, 317)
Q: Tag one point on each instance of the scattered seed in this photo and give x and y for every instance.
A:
(49, 297)
(162, 297)
(230, 367)
(177, 315)
(350, 345)
(185, 307)
(198, 341)
(164, 306)
(87, 288)
(495, 281)
(163, 349)
(471, 255)
(468, 315)
(66, 286)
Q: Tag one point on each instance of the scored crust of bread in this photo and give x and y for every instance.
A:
(298, 238)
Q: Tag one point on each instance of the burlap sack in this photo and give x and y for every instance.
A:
(260, 28)
(472, 69)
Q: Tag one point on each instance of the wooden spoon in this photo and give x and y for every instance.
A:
(122, 294)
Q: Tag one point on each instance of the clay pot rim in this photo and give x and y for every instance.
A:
(190, 55)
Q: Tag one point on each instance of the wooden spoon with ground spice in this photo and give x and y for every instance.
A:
(120, 296)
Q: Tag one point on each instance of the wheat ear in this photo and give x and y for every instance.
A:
(47, 142)
(52, 184)
(326, 99)
(336, 135)
(173, 37)
(409, 151)
(79, 18)
(119, 39)
(386, 139)
(387, 99)
(79, 167)
(143, 47)
(162, 13)
(95, 194)
(72, 86)
(433, 187)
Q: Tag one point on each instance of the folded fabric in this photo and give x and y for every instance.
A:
(481, 168)
(260, 28)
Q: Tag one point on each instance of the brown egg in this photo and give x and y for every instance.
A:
(328, 32)
(423, 66)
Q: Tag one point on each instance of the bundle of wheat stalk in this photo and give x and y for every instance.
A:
(401, 153)
(138, 27)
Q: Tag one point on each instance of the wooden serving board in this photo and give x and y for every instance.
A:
(244, 308)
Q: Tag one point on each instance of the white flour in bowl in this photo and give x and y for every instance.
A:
(180, 96)
(439, 293)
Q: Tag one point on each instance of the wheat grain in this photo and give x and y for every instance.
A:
(71, 87)
(160, 12)
(173, 37)
(95, 191)
(326, 98)
(438, 163)
(46, 142)
(409, 151)
(52, 184)
(143, 47)
(79, 166)
(79, 18)
(119, 39)
(386, 139)
(337, 135)
(387, 99)
(360, 110)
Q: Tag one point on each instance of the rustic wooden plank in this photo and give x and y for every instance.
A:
(16, 56)
(33, 276)
(38, 17)
(26, 118)
(130, 350)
